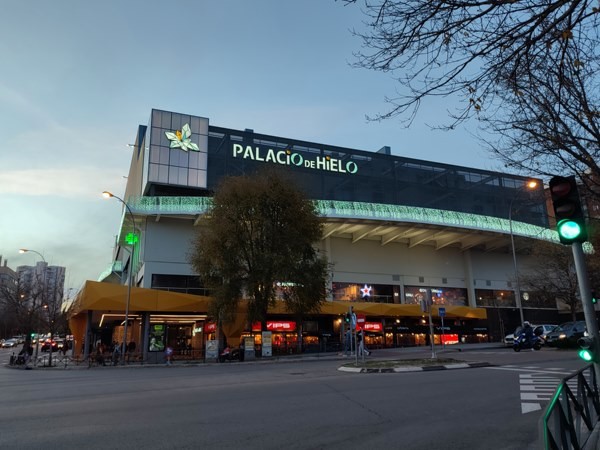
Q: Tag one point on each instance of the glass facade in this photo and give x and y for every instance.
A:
(364, 292)
(439, 296)
(333, 173)
(182, 166)
(327, 172)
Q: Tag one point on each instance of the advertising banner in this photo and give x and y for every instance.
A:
(267, 345)
(212, 349)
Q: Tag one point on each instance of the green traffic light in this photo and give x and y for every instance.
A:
(586, 355)
(569, 229)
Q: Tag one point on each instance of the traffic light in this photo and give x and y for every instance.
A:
(594, 297)
(588, 350)
(570, 221)
(347, 318)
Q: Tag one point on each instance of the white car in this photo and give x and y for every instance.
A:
(10, 343)
(538, 330)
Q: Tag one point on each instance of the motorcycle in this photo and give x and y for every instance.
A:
(523, 343)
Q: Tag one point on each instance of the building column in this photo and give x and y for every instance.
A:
(469, 281)
(145, 335)
(329, 278)
(88, 335)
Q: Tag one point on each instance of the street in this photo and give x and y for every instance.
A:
(298, 404)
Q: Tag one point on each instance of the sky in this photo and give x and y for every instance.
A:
(78, 78)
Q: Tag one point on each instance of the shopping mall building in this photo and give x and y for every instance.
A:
(396, 230)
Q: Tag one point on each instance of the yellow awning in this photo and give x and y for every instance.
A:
(97, 296)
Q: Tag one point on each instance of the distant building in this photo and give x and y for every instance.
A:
(8, 277)
(42, 282)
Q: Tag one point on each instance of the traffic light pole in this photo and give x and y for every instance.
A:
(586, 300)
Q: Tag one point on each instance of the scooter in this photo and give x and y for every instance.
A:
(522, 343)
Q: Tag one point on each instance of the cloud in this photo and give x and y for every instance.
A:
(69, 182)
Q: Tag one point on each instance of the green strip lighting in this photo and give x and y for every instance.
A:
(373, 211)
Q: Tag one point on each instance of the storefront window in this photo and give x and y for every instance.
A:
(495, 299)
(363, 292)
(439, 296)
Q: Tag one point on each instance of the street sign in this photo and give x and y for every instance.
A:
(442, 311)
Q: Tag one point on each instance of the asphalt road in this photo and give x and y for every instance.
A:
(292, 405)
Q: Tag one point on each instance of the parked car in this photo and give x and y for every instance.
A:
(539, 330)
(9, 343)
(566, 334)
(546, 330)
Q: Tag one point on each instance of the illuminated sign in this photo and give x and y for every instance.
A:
(372, 326)
(366, 291)
(289, 158)
(211, 327)
(182, 139)
(282, 325)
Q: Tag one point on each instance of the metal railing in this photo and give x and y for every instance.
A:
(572, 415)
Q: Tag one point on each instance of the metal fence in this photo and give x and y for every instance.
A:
(573, 412)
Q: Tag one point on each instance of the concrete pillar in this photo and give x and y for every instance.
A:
(329, 278)
(88, 335)
(145, 335)
(469, 280)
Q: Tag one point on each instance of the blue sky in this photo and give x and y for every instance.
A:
(78, 77)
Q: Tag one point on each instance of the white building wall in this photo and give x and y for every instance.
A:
(369, 262)
(167, 244)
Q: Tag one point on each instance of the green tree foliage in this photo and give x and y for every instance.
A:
(528, 70)
(260, 231)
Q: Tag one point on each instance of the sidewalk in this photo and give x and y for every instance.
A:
(400, 353)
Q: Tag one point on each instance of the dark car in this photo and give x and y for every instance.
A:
(566, 334)
(49, 344)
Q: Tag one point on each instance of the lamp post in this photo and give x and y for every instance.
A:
(37, 341)
(107, 194)
(530, 185)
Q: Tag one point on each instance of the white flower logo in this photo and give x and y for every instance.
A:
(182, 139)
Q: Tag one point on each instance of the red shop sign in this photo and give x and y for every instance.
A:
(372, 326)
(210, 327)
(280, 325)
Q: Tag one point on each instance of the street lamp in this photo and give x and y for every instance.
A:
(530, 185)
(37, 341)
(107, 194)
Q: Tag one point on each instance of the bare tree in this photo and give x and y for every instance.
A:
(554, 277)
(527, 69)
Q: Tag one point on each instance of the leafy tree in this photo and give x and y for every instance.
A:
(260, 230)
(527, 69)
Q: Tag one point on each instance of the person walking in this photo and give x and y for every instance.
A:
(168, 355)
(362, 348)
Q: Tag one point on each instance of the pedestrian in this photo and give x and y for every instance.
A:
(168, 355)
(242, 349)
(115, 354)
(362, 348)
(100, 354)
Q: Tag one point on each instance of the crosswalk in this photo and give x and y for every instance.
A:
(538, 385)
(538, 388)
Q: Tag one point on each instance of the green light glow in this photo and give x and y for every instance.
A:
(569, 229)
(586, 355)
(131, 238)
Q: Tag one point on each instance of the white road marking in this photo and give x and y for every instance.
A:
(520, 369)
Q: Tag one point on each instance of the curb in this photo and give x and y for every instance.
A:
(414, 368)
